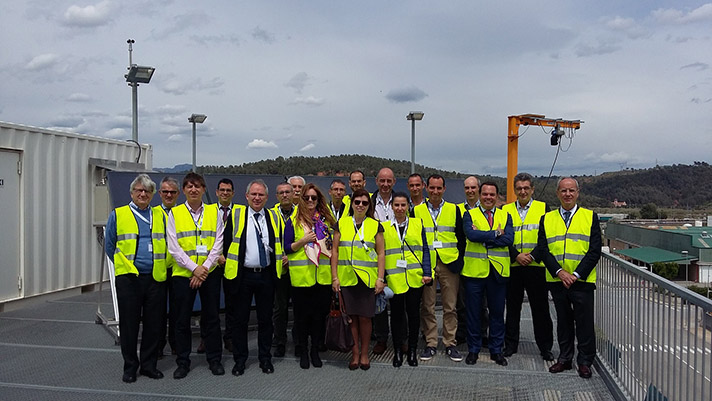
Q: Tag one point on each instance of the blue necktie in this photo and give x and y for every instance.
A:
(260, 245)
(567, 215)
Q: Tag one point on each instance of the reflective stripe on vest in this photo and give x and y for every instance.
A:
(526, 232)
(445, 230)
(302, 271)
(477, 256)
(127, 242)
(353, 258)
(569, 245)
(401, 278)
(189, 237)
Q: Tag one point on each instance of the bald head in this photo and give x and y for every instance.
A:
(472, 189)
(385, 181)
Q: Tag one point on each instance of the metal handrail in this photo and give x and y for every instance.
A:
(652, 335)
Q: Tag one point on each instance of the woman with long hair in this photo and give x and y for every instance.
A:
(308, 243)
(357, 268)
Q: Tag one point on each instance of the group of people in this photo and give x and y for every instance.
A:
(309, 247)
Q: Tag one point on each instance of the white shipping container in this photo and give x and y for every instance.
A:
(53, 192)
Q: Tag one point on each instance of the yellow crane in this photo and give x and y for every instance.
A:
(513, 141)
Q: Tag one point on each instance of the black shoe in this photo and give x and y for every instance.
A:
(152, 373)
(129, 377)
(217, 368)
(267, 367)
(228, 345)
(412, 357)
(201, 347)
(239, 368)
(397, 357)
(471, 358)
(547, 355)
(280, 351)
(181, 372)
(304, 361)
(498, 359)
(315, 358)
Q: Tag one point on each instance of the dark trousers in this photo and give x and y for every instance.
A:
(209, 317)
(168, 329)
(462, 315)
(260, 285)
(574, 314)
(311, 305)
(531, 279)
(140, 298)
(380, 326)
(229, 314)
(280, 312)
(495, 288)
(407, 303)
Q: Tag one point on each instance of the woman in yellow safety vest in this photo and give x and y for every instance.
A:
(308, 244)
(358, 267)
(407, 268)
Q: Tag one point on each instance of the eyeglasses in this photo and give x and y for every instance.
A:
(358, 202)
(225, 190)
(310, 197)
(143, 191)
(285, 192)
(167, 192)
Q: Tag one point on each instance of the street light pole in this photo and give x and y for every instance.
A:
(137, 74)
(195, 118)
(413, 116)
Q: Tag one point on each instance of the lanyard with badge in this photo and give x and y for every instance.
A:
(436, 244)
(200, 248)
(259, 232)
(149, 222)
(337, 213)
(371, 253)
(402, 263)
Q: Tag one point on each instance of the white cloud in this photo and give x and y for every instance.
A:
(175, 138)
(675, 16)
(79, 98)
(42, 62)
(89, 16)
(307, 147)
(117, 133)
(308, 101)
(180, 87)
(261, 144)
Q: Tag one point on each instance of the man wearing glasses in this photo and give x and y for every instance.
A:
(280, 314)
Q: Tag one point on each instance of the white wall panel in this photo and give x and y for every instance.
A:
(58, 240)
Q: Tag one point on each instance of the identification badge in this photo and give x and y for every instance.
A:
(401, 263)
(437, 244)
(372, 254)
(150, 247)
(202, 250)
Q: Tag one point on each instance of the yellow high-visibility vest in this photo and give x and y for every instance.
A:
(127, 242)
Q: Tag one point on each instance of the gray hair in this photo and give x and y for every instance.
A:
(523, 177)
(285, 184)
(145, 181)
(558, 183)
(257, 181)
(297, 177)
(171, 181)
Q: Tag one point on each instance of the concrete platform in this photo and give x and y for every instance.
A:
(54, 350)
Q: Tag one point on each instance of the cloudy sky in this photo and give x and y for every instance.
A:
(316, 78)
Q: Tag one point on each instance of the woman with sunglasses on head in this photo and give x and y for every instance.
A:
(358, 268)
(408, 269)
(308, 241)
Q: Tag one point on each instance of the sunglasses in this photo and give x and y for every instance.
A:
(167, 192)
(310, 197)
(358, 202)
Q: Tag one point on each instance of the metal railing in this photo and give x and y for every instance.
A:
(653, 337)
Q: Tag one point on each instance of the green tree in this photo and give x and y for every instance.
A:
(667, 270)
(650, 211)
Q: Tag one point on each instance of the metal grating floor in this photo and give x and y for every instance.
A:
(55, 351)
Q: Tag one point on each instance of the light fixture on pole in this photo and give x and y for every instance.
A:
(413, 116)
(137, 74)
(195, 118)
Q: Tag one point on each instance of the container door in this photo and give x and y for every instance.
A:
(10, 223)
